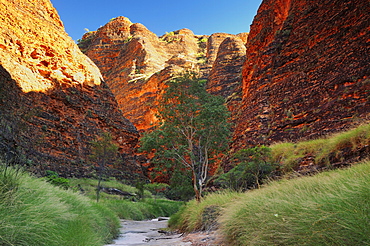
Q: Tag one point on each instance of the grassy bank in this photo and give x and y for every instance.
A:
(331, 208)
(33, 212)
(148, 207)
(202, 216)
(335, 148)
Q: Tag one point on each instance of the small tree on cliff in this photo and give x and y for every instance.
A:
(193, 130)
(104, 151)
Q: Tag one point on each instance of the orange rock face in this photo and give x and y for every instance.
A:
(307, 70)
(226, 73)
(53, 101)
(136, 63)
(36, 58)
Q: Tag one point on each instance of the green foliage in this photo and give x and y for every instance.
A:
(169, 37)
(194, 128)
(157, 189)
(103, 149)
(140, 189)
(54, 179)
(203, 40)
(181, 188)
(253, 165)
(201, 57)
(9, 181)
(128, 39)
(34, 212)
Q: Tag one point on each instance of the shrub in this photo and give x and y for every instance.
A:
(157, 189)
(253, 166)
(54, 179)
(180, 188)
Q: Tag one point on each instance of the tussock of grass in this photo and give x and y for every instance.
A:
(288, 154)
(190, 217)
(33, 212)
(331, 208)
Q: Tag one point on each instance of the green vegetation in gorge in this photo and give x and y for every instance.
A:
(252, 167)
(52, 211)
(104, 152)
(323, 150)
(330, 208)
(130, 207)
(193, 131)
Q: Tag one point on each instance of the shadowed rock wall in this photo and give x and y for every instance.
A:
(307, 71)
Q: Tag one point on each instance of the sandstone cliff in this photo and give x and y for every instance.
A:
(53, 100)
(226, 73)
(136, 63)
(307, 71)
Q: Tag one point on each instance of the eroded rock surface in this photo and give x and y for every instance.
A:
(136, 63)
(226, 73)
(53, 100)
(307, 70)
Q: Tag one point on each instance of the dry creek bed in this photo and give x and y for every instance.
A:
(152, 232)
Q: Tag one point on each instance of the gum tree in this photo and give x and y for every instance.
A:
(104, 151)
(192, 132)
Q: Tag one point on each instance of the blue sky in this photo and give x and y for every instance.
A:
(160, 16)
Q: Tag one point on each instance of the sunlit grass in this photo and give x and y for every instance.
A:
(331, 208)
(289, 154)
(190, 218)
(34, 212)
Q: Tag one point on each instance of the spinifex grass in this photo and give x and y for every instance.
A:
(34, 212)
(331, 208)
(190, 217)
(288, 154)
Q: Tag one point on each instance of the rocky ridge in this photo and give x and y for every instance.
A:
(136, 63)
(307, 71)
(53, 100)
